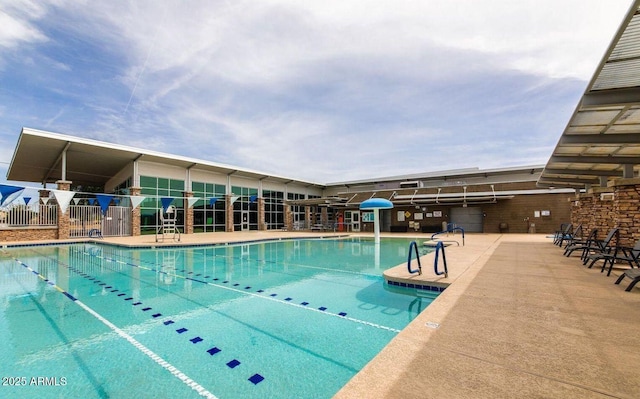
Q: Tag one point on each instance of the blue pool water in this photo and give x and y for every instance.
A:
(278, 319)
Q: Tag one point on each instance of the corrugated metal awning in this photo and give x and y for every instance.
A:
(602, 139)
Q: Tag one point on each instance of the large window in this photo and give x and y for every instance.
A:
(208, 212)
(273, 209)
(245, 208)
(297, 211)
(156, 188)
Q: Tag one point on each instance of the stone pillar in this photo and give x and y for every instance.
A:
(135, 213)
(288, 217)
(64, 230)
(627, 209)
(324, 216)
(308, 217)
(262, 224)
(188, 213)
(229, 214)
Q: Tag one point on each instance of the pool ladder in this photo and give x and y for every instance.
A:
(439, 248)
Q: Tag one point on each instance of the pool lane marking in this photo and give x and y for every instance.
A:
(368, 323)
(159, 360)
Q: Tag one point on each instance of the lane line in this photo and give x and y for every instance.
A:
(305, 307)
(148, 352)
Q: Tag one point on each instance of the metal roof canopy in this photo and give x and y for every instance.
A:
(38, 157)
(602, 139)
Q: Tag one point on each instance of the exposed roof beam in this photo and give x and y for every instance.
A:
(594, 159)
(583, 172)
(564, 180)
(626, 96)
(586, 139)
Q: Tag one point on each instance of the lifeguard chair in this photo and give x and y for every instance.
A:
(168, 224)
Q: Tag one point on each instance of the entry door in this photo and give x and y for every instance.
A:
(245, 220)
(355, 220)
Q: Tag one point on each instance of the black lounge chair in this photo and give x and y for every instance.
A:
(574, 237)
(633, 274)
(621, 254)
(562, 234)
(603, 250)
(581, 245)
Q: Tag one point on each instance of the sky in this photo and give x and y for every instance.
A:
(322, 91)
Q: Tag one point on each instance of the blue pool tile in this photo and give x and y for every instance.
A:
(196, 340)
(256, 378)
(166, 323)
(213, 351)
(181, 330)
(234, 363)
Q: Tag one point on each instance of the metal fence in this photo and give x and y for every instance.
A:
(84, 220)
(29, 215)
(88, 221)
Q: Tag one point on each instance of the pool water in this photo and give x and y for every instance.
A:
(276, 319)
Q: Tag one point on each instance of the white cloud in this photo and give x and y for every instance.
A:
(314, 89)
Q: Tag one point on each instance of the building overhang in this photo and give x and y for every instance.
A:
(602, 138)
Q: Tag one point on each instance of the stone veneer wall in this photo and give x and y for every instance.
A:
(603, 212)
(29, 234)
(627, 209)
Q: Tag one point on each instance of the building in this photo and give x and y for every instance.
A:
(211, 197)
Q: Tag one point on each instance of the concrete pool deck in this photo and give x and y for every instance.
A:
(519, 320)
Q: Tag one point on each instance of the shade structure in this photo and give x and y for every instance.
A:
(376, 204)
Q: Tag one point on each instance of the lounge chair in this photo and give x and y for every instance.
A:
(601, 249)
(562, 234)
(582, 244)
(574, 237)
(620, 254)
(633, 274)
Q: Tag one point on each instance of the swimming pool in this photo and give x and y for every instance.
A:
(290, 318)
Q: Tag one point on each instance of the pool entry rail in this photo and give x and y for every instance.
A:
(413, 246)
(451, 228)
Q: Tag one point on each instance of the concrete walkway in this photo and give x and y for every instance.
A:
(521, 321)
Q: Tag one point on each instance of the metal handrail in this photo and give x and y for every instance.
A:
(440, 246)
(450, 230)
(413, 245)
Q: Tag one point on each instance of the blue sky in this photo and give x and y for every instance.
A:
(323, 91)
